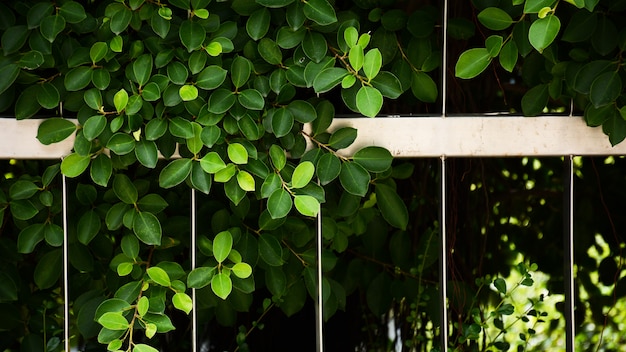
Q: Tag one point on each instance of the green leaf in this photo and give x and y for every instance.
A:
(388, 84)
(356, 56)
(212, 163)
(279, 204)
(581, 27)
(289, 38)
(51, 26)
(535, 100)
(8, 289)
(373, 159)
(120, 20)
(88, 227)
(605, 89)
(24, 105)
(124, 269)
(48, 269)
(251, 99)
(242, 270)
(23, 209)
(77, 78)
(37, 13)
(472, 62)
(121, 143)
(534, 6)
(307, 205)
(8, 75)
(423, 87)
(302, 174)
(94, 126)
(101, 170)
(391, 206)
(343, 137)
(191, 35)
(159, 276)
(72, 11)
(175, 173)
(240, 71)
(114, 321)
(270, 51)
(147, 228)
(200, 277)
(274, 3)
(147, 153)
(258, 23)
(23, 189)
(508, 56)
(140, 347)
(282, 122)
(222, 246)
(31, 60)
(328, 168)
(55, 130)
(183, 302)
(493, 44)
(124, 189)
(354, 178)
(74, 164)
(142, 69)
(500, 285)
(369, 101)
(329, 78)
(221, 285)
(320, 12)
(245, 181)
(29, 237)
(237, 153)
(372, 63)
(211, 77)
(120, 100)
(615, 128)
(188, 92)
(13, 39)
(495, 18)
(220, 101)
(270, 250)
(98, 51)
(543, 32)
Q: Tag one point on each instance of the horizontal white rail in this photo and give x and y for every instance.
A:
(458, 136)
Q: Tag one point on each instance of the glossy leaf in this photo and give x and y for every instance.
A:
(211, 77)
(175, 173)
(535, 100)
(13, 39)
(183, 302)
(222, 246)
(343, 137)
(328, 168)
(373, 159)
(258, 23)
(302, 174)
(74, 164)
(329, 78)
(369, 101)
(307, 205)
(55, 130)
(212, 163)
(29, 237)
(472, 62)
(88, 227)
(51, 26)
(220, 101)
(147, 228)
(495, 18)
(200, 277)
(279, 204)
(508, 56)
(159, 276)
(605, 89)
(423, 87)
(245, 181)
(237, 153)
(77, 78)
(270, 250)
(320, 11)
(114, 321)
(543, 32)
(240, 71)
(8, 75)
(372, 63)
(101, 170)
(354, 178)
(221, 285)
(124, 189)
(191, 35)
(251, 99)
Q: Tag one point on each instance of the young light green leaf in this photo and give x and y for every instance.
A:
(120, 100)
(237, 153)
(369, 101)
(183, 302)
(302, 174)
(472, 62)
(307, 205)
(242, 270)
(245, 181)
(543, 32)
(114, 321)
(372, 63)
(221, 285)
(493, 44)
(159, 276)
(356, 56)
(222, 245)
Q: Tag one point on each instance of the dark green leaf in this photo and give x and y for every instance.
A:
(211, 77)
(495, 18)
(279, 203)
(270, 250)
(343, 137)
(48, 269)
(391, 206)
(605, 89)
(8, 75)
(535, 100)
(282, 122)
(121, 143)
(374, 159)
(320, 11)
(120, 20)
(192, 35)
(328, 168)
(274, 3)
(124, 189)
(423, 87)
(55, 130)
(354, 178)
(258, 23)
(29, 237)
(329, 78)
(72, 11)
(175, 173)
(51, 26)
(251, 99)
(101, 170)
(220, 101)
(78, 78)
(270, 51)
(88, 227)
(147, 153)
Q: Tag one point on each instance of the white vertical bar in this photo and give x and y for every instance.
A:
(194, 314)
(568, 255)
(443, 258)
(319, 304)
(66, 270)
(444, 63)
